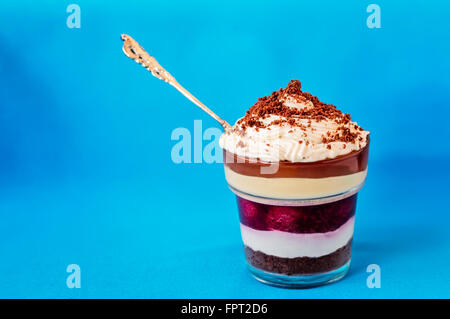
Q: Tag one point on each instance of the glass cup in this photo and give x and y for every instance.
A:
(297, 222)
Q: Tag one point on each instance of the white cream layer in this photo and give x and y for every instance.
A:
(290, 142)
(291, 245)
(293, 188)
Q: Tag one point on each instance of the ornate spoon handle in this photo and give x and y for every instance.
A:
(134, 51)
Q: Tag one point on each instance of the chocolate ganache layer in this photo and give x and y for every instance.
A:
(343, 165)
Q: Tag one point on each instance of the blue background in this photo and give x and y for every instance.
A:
(85, 170)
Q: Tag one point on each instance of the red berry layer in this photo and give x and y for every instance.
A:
(297, 219)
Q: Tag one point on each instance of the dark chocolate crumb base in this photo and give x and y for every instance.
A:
(299, 265)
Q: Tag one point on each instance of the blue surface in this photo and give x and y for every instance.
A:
(85, 170)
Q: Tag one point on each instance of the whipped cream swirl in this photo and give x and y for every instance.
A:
(289, 136)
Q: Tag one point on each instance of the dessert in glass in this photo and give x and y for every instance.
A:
(296, 165)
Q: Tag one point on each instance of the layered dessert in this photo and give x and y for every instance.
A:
(296, 165)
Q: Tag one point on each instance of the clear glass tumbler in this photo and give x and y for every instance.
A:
(297, 222)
